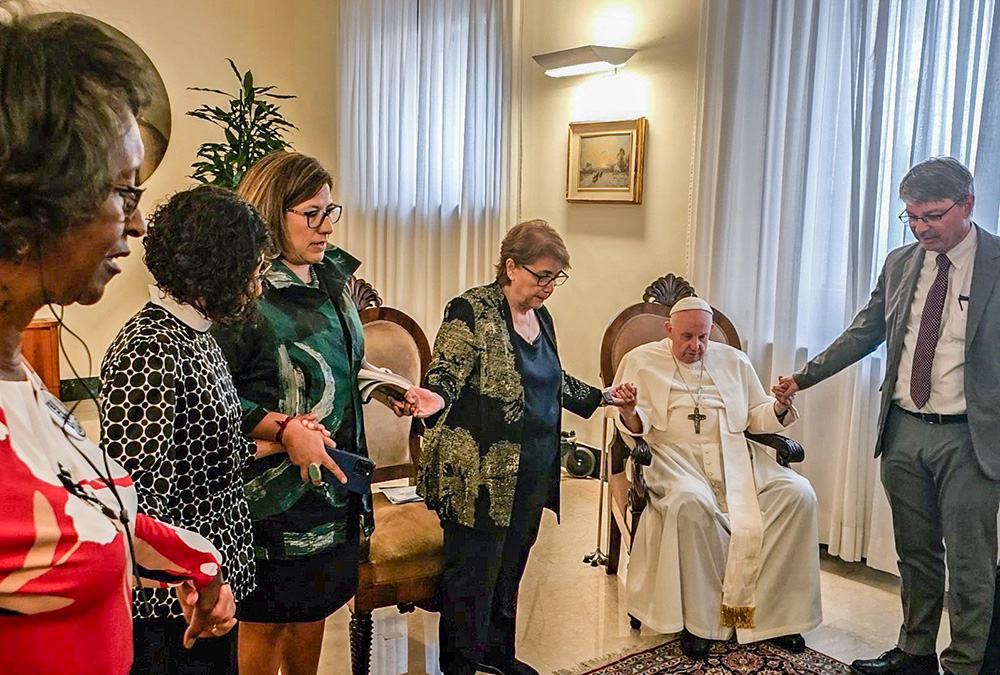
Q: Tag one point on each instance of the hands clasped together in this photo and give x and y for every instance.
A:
(784, 391)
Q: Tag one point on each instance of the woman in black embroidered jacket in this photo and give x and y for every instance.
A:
(490, 461)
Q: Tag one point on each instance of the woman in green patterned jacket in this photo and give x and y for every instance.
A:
(301, 357)
(490, 461)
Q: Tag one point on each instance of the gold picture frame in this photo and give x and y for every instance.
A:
(604, 161)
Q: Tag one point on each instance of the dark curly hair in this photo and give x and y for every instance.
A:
(203, 247)
(66, 89)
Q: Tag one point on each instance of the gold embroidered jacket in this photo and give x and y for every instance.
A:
(475, 441)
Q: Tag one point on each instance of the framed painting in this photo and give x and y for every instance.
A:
(604, 161)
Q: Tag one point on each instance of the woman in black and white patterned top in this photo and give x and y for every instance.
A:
(170, 412)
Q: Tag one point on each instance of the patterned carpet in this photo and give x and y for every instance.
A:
(760, 658)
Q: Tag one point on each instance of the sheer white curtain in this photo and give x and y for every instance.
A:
(427, 118)
(810, 113)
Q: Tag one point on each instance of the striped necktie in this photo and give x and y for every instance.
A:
(927, 338)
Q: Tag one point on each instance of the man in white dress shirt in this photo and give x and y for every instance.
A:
(728, 540)
(937, 308)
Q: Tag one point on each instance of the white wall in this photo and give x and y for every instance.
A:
(616, 249)
(288, 44)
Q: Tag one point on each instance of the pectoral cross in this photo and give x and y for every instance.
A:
(697, 417)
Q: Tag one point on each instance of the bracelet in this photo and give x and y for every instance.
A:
(281, 428)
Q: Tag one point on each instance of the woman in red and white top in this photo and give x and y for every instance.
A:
(71, 542)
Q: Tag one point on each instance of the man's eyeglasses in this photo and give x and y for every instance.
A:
(559, 278)
(315, 217)
(928, 218)
(130, 199)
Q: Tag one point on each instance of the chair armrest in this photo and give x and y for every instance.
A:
(641, 454)
(364, 546)
(789, 451)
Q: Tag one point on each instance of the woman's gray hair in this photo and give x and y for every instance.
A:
(935, 179)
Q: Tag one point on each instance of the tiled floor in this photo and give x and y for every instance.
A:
(570, 612)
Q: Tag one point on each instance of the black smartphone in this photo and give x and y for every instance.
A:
(358, 469)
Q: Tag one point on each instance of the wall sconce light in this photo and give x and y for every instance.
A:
(583, 60)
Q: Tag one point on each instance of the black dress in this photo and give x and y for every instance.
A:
(484, 566)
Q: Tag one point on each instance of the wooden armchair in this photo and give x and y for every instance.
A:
(401, 563)
(636, 325)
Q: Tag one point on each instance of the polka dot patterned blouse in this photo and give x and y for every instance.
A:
(171, 416)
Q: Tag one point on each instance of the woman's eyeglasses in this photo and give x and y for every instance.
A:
(315, 217)
(130, 199)
(559, 278)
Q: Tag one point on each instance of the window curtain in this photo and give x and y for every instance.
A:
(427, 115)
(810, 113)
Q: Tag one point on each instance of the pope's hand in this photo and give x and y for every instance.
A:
(785, 390)
(623, 396)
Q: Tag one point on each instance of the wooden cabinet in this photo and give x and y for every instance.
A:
(40, 347)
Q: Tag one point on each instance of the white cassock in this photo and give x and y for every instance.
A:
(729, 538)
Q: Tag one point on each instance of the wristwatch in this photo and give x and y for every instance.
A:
(606, 398)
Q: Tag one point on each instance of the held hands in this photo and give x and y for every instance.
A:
(210, 613)
(418, 402)
(623, 396)
(305, 441)
(784, 392)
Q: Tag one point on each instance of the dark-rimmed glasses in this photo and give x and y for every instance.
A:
(559, 278)
(130, 199)
(928, 218)
(315, 217)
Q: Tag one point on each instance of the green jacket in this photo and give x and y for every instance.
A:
(301, 355)
(475, 441)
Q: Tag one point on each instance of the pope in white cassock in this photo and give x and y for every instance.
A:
(728, 540)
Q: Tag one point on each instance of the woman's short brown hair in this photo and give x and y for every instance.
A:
(527, 242)
(276, 183)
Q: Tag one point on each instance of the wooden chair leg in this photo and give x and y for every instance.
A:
(614, 545)
(361, 643)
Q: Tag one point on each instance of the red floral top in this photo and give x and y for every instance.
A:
(65, 568)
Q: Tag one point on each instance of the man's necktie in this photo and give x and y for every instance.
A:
(927, 338)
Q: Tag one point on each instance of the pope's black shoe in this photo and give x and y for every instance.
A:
(794, 642)
(897, 662)
(695, 647)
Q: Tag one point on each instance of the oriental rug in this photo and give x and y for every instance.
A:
(759, 658)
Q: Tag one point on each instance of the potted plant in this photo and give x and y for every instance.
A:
(253, 126)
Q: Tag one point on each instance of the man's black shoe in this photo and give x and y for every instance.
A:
(897, 662)
(695, 647)
(507, 667)
(794, 643)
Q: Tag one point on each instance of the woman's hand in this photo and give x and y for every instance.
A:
(306, 440)
(623, 396)
(418, 402)
(209, 613)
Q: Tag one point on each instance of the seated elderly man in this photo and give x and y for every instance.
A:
(728, 540)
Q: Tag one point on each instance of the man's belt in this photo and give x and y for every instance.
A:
(935, 418)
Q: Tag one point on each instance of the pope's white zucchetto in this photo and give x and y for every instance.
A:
(690, 302)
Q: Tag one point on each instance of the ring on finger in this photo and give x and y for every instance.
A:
(315, 473)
